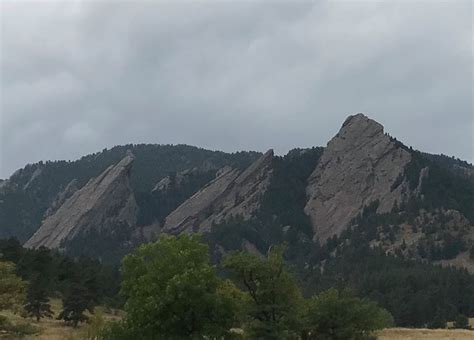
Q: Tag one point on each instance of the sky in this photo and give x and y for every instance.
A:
(80, 76)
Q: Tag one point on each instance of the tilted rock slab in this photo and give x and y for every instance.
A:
(360, 165)
(61, 197)
(103, 202)
(232, 193)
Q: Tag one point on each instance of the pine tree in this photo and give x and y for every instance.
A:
(76, 301)
(37, 301)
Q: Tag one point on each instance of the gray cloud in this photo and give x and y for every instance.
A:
(80, 76)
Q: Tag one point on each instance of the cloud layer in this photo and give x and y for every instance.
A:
(80, 76)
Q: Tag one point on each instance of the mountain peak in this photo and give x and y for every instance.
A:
(360, 165)
(360, 124)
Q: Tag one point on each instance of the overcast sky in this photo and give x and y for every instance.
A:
(77, 77)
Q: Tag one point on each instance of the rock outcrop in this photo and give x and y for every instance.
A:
(175, 182)
(232, 193)
(360, 165)
(104, 202)
(59, 200)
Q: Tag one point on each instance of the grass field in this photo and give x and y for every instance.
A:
(424, 334)
(52, 329)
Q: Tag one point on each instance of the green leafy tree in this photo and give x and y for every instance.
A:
(275, 299)
(12, 287)
(171, 290)
(333, 316)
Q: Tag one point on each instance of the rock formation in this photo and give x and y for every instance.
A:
(360, 165)
(232, 193)
(70, 189)
(176, 181)
(104, 202)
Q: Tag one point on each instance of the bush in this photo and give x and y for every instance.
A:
(18, 330)
(332, 315)
(462, 322)
(5, 324)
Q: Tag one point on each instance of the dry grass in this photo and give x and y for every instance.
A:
(426, 334)
(52, 329)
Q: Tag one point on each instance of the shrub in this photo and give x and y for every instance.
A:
(332, 315)
(462, 322)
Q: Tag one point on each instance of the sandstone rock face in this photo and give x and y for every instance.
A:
(232, 193)
(105, 201)
(70, 189)
(359, 166)
(167, 182)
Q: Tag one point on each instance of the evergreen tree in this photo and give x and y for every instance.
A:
(461, 322)
(439, 321)
(76, 301)
(37, 301)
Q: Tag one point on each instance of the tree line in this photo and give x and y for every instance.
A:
(29, 277)
(173, 292)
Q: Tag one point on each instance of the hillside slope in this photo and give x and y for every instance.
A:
(29, 192)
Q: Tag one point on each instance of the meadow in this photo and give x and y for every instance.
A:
(52, 329)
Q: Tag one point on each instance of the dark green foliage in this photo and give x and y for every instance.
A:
(37, 300)
(448, 248)
(439, 321)
(109, 245)
(155, 206)
(333, 315)
(462, 321)
(172, 291)
(76, 301)
(443, 187)
(275, 309)
(117, 330)
(281, 217)
(50, 273)
(286, 195)
(82, 289)
(414, 293)
(24, 201)
(19, 330)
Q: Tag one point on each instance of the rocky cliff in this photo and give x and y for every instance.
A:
(103, 203)
(232, 193)
(59, 200)
(360, 165)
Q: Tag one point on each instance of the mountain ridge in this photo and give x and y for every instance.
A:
(407, 203)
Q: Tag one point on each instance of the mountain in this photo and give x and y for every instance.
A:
(31, 191)
(105, 206)
(232, 193)
(364, 213)
(360, 165)
(364, 185)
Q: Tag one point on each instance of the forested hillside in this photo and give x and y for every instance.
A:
(365, 213)
(28, 193)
